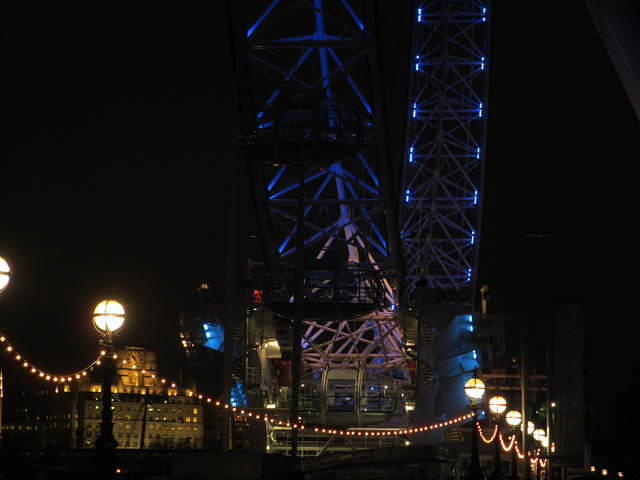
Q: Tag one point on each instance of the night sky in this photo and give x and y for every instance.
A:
(118, 132)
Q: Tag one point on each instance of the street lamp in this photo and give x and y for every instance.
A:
(497, 405)
(108, 318)
(5, 274)
(474, 389)
(514, 419)
(539, 434)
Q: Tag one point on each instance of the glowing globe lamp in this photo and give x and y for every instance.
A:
(539, 434)
(474, 389)
(530, 427)
(108, 317)
(5, 274)
(514, 418)
(497, 404)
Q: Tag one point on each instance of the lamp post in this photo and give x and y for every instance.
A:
(108, 318)
(5, 277)
(540, 435)
(514, 419)
(474, 389)
(497, 405)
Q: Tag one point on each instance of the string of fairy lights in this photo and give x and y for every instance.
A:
(274, 420)
(48, 376)
(80, 375)
(512, 443)
(395, 431)
(42, 373)
(535, 456)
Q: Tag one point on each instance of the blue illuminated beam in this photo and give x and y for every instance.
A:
(264, 15)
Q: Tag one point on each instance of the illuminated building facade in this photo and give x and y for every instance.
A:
(147, 412)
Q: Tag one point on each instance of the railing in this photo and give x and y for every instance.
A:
(345, 285)
(296, 133)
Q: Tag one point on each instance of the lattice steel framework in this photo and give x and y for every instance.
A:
(375, 342)
(310, 120)
(443, 170)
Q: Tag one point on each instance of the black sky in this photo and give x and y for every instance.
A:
(118, 130)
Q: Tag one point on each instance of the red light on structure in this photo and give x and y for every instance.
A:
(256, 297)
